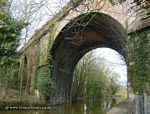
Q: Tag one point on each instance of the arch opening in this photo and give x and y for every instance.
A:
(79, 36)
(100, 73)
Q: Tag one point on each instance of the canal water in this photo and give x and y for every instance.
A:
(89, 107)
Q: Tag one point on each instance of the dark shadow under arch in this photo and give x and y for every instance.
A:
(25, 59)
(81, 35)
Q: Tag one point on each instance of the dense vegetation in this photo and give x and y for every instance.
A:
(94, 80)
(138, 60)
(44, 82)
(10, 29)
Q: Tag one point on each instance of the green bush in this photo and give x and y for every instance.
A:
(44, 82)
(138, 59)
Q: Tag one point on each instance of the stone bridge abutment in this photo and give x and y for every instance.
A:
(77, 38)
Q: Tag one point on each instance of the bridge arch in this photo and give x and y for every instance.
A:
(82, 34)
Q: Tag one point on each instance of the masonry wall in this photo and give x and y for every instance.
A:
(138, 60)
(36, 56)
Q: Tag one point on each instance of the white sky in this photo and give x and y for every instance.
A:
(114, 62)
(21, 8)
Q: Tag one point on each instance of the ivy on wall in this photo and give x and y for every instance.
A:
(50, 43)
(44, 82)
(138, 68)
(43, 73)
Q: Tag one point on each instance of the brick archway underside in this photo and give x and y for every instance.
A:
(79, 36)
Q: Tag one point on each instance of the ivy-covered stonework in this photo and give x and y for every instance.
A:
(43, 71)
(138, 61)
(44, 83)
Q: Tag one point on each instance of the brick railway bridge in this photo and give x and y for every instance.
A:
(77, 29)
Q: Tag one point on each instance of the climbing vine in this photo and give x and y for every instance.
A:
(50, 43)
(44, 82)
(43, 73)
(138, 68)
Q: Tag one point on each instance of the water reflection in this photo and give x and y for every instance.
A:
(89, 107)
(85, 109)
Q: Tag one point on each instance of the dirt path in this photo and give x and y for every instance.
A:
(121, 108)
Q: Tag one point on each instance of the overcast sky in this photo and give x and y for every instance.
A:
(114, 61)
